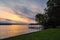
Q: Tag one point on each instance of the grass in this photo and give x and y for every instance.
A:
(49, 34)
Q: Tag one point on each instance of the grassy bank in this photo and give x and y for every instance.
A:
(49, 34)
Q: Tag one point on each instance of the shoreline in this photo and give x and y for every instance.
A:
(23, 33)
(49, 34)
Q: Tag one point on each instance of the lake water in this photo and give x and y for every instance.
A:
(14, 30)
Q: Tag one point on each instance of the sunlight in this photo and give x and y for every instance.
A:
(9, 14)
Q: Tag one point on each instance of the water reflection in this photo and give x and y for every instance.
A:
(12, 30)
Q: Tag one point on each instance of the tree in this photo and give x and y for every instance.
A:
(53, 12)
(39, 18)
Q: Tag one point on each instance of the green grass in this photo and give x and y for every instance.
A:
(49, 34)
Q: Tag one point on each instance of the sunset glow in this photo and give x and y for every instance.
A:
(23, 11)
(9, 14)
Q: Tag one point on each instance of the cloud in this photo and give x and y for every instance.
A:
(7, 13)
(22, 9)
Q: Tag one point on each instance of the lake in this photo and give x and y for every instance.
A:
(15, 30)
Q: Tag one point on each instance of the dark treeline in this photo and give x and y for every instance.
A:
(51, 18)
(5, 23)
(13, 24)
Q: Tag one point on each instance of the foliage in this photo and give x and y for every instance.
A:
(53, 12)
(39, 18)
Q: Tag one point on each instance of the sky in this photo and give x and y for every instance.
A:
(21, 10)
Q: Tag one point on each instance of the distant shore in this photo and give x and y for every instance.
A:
(18, 24)
(12, 24)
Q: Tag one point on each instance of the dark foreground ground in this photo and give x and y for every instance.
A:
(49, 34)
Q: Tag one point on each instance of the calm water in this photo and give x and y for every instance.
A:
(14, 30)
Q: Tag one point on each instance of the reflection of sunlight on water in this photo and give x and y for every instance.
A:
(12, 30)
(17, 29)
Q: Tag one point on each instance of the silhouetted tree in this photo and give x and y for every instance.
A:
(39, 18)
(53, 12)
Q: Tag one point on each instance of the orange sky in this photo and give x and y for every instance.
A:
(9, 14)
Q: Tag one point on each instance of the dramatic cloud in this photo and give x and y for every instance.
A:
(21, 10)
(7, 13)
